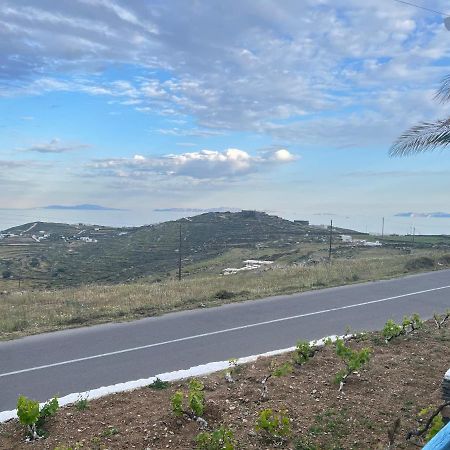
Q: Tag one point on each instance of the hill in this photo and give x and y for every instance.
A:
(63, 254)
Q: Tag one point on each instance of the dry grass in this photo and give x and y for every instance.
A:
(31, 312)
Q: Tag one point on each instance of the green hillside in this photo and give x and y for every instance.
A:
(61, 254)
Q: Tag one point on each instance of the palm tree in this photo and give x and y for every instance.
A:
(426, 136)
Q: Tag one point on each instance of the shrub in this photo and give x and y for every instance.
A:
(274, 426)
(221, 439)
(303, 351)
(34, 418)
(223, 294)
(6, 274)
(421, 262)
(353, 359)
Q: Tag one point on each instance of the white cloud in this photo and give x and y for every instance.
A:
(253, 66)
(202, 165)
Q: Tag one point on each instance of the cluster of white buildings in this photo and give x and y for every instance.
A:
(249, 264)
(362, 242)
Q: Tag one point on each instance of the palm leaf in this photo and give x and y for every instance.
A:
(423, 137)
(443, 93)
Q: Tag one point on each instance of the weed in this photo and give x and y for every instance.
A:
(283, 370)
(159, 384)
(274, 426)
(81, 404)
(221, 439)
(110, 431)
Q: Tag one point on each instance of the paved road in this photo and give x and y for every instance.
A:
(86, 358)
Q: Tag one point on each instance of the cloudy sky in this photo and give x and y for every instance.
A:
(288, 107)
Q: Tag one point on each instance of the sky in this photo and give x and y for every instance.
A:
(154, 109)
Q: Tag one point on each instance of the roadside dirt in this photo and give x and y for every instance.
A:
(401, 379)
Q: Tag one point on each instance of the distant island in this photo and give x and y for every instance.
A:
(84, 207)
(434, 215)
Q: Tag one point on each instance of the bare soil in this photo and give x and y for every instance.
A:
(401, 379)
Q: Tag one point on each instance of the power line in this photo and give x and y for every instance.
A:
(422, 7)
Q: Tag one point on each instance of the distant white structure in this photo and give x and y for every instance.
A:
(365, 243)
(88, 239)
(346, 238)
(250, 264)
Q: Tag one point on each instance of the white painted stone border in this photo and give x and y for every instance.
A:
(447, 375)
(204, 369)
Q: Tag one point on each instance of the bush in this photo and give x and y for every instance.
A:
(177, 403)
(34, 418)
(274, 426)
(421, 262)
(6, 274)
(223, 294)
(221, 439)
(445, 259)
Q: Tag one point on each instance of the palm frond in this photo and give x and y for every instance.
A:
(443, 93)
(421, 138)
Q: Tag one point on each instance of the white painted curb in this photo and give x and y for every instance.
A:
(201, 370)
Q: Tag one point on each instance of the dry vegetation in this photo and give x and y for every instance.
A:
(29, 312)
(402, 378)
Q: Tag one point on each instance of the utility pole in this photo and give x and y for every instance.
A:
(413, 234)
(331, 240)
(382, 229)
(179, 257)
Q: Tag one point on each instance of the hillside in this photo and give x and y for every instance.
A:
(56, 254)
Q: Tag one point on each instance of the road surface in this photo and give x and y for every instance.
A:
(81, 359)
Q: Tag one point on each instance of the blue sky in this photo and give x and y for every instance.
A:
(288, 107)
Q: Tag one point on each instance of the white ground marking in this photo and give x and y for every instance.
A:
(212, 333)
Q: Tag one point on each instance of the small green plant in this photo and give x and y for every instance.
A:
(303, 352)
(354, 360)
(196, 400)
(435, 425)
(159, 384)
(283, 370)
(391, 330)
(196, 397)
(177, 403)
(221, 439)
(274, 426)
(81, 404)
(33, 417)
(110, 431)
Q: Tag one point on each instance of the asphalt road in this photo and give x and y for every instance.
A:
(86, 358)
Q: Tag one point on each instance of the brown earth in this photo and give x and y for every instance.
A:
(401, 379)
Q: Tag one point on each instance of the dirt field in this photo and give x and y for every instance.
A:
(401, 379)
